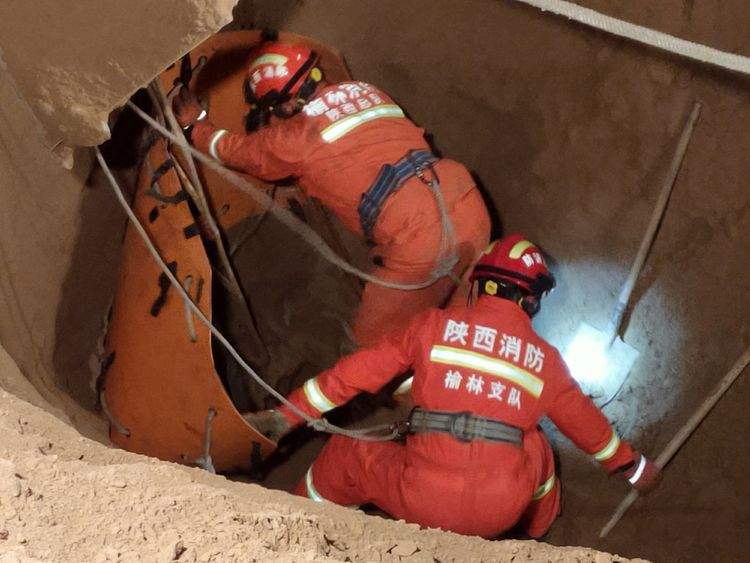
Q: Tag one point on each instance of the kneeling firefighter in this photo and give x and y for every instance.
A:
(352, 147)
(474, 460)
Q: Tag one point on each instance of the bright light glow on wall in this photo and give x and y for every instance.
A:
(587, 358)
(599, 367)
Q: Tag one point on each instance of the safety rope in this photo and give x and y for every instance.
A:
(321, 425)
(444, 263)
(644, 35)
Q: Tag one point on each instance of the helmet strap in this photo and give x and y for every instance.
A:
(531, 304)
(305, 92)
(307, 89)
(503, 289)
(272, 103)
(305, 69)
(256, 118)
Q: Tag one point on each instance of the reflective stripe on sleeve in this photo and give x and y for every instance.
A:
(638, 472)
(337, 130)
(316, 397)
(492, 366)
(544, 489)
(214, 143)
(610, 449)
(311, 492)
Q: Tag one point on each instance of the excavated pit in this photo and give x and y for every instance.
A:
(569, 132)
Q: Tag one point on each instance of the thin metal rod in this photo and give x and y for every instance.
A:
(196, 189)
(658, 214)
(205, 461)
(683, 434)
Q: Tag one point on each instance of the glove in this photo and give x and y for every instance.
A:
(643, 475)
(187, 108)
(271, 423)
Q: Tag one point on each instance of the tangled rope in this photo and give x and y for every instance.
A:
(444, 264)
(321, 425)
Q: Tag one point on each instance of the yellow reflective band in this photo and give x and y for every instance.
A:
(492, 366)
(269, 59)
(544, 490)
(519, 248)
(316, 397)
(337, 130)
(311, 492)
(610, 449)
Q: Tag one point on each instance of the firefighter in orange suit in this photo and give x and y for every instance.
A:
(352, 147)
(474, 460)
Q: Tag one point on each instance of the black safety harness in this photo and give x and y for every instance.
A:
(389, 180)
(463, 426)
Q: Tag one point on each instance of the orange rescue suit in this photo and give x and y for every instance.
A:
(486, 360)
(335, 148)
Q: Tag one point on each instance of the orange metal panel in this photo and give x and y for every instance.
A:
(161, 384)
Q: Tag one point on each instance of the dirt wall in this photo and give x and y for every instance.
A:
(39, 218)
(64, 67)
(75, 61)
(570, 131)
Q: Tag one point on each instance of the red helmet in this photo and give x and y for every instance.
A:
(517, 261)
(278, 71)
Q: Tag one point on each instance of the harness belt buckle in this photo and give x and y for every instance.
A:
(402, 428)
(459, 427)
(419, 172)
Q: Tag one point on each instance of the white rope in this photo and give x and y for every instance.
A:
(444, 263)
(321, 425)
(644, 35)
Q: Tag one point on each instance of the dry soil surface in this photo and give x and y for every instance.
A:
(64, 497)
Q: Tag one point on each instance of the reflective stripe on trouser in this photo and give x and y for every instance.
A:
(355, 472)
(544, 504)
(307, 488)
(334, 476)
(312, 493)
(543, 490)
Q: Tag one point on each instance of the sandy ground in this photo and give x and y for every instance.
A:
(66, 498)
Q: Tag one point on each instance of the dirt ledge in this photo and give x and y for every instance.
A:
(64, 497)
